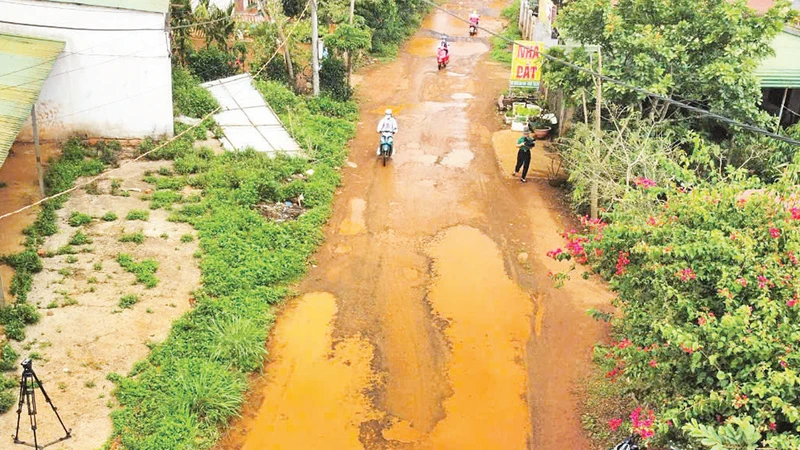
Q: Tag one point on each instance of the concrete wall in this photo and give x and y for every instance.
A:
(114, 84)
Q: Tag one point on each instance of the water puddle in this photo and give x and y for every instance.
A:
(355, 223)
(488, 325)
(454, 74)
(315, 396)
(422, 46)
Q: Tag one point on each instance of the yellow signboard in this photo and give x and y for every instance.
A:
(526, 64)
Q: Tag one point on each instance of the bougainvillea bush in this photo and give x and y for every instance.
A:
(707, 334)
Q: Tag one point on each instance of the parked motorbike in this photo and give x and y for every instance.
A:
(442, 58)
(386, 146)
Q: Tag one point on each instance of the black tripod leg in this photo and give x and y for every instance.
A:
(23, 388)
(31, 396)
(55, 410)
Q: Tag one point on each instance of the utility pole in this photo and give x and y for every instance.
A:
(593, 190)
(315, 45)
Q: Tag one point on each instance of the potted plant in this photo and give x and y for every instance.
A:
(540, 127)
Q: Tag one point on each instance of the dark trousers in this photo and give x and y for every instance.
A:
(524, 161)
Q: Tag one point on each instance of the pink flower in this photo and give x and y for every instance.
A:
(701, 321)
(686, 274)
(625, 343)
(762, 281)
(791, 302)
(644, 182)
(622, 262)
(615, 423)
(774, 232)
(653, 363)
(783, 364)
(795, 213)
(554, 253)
(651, 221)
(773, 425)
(742, 281)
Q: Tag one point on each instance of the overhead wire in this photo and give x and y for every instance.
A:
(63, 27)
(702, 112)
(160, 146)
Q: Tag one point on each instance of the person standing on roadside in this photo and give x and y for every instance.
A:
(524, 144)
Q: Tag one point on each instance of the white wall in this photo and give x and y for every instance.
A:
(114, 84)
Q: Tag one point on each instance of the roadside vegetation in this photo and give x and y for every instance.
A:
(697, 228)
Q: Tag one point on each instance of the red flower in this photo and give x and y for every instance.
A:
(653, 363)
(651, 221)
(742, 281)
(795, 213)
(644, 182)
(625, 343)
(554, 253)
(774, 232)
(615, 423)
(622, 262)
(773, 425)
(792, 302)
(783, 364)
(701, 321)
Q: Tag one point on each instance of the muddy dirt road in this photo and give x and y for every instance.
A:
(428, 321)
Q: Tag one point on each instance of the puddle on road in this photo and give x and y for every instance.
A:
(458, 158)
(420, 46)
(488, 318)
(355, 223)
(454, 74)
(315, 396)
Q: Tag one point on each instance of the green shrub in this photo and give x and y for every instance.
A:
(280, 98)
(239, 342)
(211, 64)
(8, 361)
(333, 79)
(79, 238)
(77, 219)
(7, 400)
(144, 271)
(187, 238)
(138, 214)
(26, 260)
(708, 300)
(137, 237)
(164, 198)
(110, 216)
(127, 301)
(189, 98)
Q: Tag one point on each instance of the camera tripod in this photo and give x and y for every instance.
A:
(27, 395)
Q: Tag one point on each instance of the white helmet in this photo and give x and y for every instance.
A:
(388, 112)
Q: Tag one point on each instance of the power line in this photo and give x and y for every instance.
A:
(700, 111)
(107, 173)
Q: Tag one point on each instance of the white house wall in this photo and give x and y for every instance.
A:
(114, 84)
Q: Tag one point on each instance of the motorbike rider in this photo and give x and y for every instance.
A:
(474, 18)
(443, 45)
(387, 126)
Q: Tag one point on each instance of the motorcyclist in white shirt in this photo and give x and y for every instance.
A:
(387, 127)
(443, 44)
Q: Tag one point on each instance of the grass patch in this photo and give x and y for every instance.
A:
(138, 214)
(137, 237)
(109, 216)
(127, 301)
(187, 238)
(164, 198)
(144, 271)
(80, 238)
(501, 49)
(77, 219)
(193, 382)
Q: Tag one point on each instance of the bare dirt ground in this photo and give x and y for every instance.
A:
(84, 334)
(429, 320)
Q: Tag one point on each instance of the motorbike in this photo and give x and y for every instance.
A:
(442, 58)
(386, 146)
(473, 28)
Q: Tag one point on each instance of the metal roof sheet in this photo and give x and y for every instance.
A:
(247, 120)
(25, 63)
(783, 69)
(158, 6)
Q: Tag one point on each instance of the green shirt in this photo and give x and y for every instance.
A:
(526, 142)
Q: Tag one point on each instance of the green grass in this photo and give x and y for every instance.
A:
(187, 238)
(501, 49)
(192, 383)
(137, 237)
(127, 301)
(138, 214)
(164, 198)
(109, 216)
(79, 238)
(144, 271)
(77, 219)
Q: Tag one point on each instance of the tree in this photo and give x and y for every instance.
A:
(351, 40)
(700, 51)
(181, 19)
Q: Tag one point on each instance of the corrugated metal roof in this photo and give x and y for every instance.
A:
(783, 69)
(25, 62)
(247, 120)
(159, 6)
